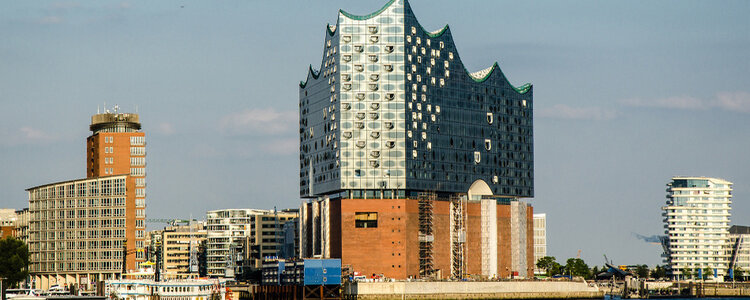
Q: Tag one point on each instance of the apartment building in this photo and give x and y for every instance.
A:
(696, 223)
(79, 230)
(239, 238)
(540, 240)
(179, 250)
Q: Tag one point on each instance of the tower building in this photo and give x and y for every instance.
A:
(696, 224)
(413, 165)
(83, 230)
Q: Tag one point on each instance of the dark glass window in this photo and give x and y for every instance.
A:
(366, 220)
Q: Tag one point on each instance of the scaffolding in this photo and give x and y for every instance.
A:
(458, 235)
(426, 237)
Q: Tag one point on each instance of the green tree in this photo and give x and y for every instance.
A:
(642, 271)
(14, 262)
(738, 273)
(659, 272)
(708, 273)
(546, 263)
(577, 267)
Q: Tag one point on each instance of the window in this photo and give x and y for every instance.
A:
(137, 150)
(366, 220)
(137, 140)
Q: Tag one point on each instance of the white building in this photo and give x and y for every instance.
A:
(696, 223)
(540, 240)
(739, 242)
(238, 238)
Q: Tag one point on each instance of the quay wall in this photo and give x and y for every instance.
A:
(474, 290)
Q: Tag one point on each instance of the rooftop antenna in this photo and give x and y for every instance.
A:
(97, 109)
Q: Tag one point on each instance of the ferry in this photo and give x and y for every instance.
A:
(147, 289)
(141, 285)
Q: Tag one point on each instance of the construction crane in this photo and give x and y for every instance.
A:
(171, 222)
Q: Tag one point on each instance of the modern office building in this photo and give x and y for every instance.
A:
(80, 229)
(696, 225)
(540, 240)
(179, 251)
(739, 243)
(413, 166)
(239, 238)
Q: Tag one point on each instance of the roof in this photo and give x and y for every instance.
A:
(738, 229)
(77, 180)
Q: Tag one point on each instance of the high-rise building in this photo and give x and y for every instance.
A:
(413, 165)
(540, 240)
(696, 224)
(240, 238)
(81, 231)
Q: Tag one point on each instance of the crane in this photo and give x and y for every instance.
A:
(171, 222)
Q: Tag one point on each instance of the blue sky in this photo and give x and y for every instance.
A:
(627, 95)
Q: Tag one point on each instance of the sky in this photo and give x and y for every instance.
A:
(627, 95)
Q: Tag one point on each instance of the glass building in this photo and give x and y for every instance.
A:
(392, 111)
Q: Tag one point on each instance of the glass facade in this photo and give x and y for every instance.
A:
(392, 110)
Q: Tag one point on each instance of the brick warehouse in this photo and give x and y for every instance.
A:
(412, 166)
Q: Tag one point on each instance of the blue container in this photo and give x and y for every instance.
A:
(322, 272)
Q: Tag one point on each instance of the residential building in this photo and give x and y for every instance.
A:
(696, 225)
(80, 229)
(8, 220)
(413, 166)
(739, 243)
(540, 240)
(238, 239)
(179, 251)
(21, 230)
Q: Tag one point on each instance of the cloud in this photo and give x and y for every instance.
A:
(281, 146)
(680, 102)
(266, 121)
(51, 20)
(24, 136)
(562, 111)
(165, 128)
(31, 134)
(728, 101)
(737, 101)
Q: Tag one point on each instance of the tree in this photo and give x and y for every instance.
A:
(641, 271)
(707, 273)
(659, 272)
(556, 269)
(202, 259)
(738, 273)
(546, 263)
(577, 267)
(14, 262)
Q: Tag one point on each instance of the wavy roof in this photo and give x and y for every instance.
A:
(478, 76)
